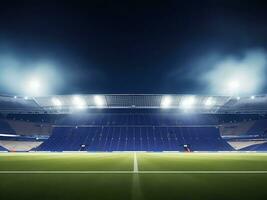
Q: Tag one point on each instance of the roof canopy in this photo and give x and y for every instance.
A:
(181, 103)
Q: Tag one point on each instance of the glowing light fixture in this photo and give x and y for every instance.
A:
(188, 102)
(233, 87)
(252, 97)
(34, 86)
(166, 101)
(56, 102)
(209, 102)
(79, 102)
(99, 100)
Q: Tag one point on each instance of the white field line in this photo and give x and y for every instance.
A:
(135, 163)
(133, 172)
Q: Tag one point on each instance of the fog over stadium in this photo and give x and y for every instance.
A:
(232, 75)
(175, 47)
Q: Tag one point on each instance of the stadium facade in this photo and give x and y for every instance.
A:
(133, 122)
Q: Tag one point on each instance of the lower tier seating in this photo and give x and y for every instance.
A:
(2, 148)
(256, 147)
(135, 139)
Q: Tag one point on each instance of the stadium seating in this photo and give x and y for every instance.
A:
(259, 127)
(19, 146)
(134, 132)
(154, 119)
(2, 148)
(5, 127)
(256, 147)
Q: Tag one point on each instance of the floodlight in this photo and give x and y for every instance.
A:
(252, 97)
(79, 102)
(99, 100)
(15, 97)
(34, 86)
(26, 98)
(237, 98)
(188, 102)
(56, 102)
(209, 102)
(233, 86)
(166, 101)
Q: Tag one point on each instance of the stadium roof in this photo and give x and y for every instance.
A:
(181, 103)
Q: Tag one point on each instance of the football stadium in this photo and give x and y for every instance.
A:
(133, 100)
(133, 147)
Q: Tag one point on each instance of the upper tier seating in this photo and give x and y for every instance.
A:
(259, 127)
(5, 127)
(129, 119)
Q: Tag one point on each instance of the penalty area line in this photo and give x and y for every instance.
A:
(133, 172)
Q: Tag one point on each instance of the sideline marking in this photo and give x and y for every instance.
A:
(132, 172)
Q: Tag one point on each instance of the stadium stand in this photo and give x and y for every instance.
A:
(135, 139)
(154, 119)
(135, 132)
(30, 128)
(256, 147)
(3, 149)
(5, 127)
(241, 144)
(132, 122)
(236, 129)
(259, 127)
(16, 146)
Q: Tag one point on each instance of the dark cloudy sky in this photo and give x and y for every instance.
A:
(129, 46)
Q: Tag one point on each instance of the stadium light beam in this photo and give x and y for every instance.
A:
(209, 102)
(34, 86)
(233, 87)
(188, 102)
(79, 102)
(166, 101)
(56, 102)
(99, 100)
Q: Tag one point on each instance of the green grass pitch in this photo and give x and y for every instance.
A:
(130, 176)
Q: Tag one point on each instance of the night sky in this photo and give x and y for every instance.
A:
(130, 47)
